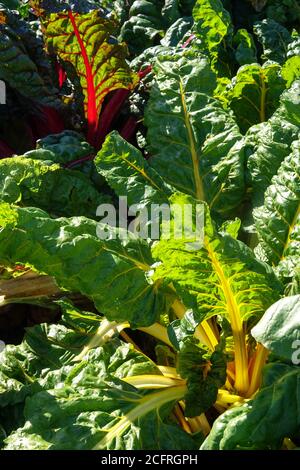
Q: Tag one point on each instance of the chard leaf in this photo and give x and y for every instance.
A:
(245, 52)
(216, 278)
(28, 182)
(274, 38)
(176, 32)
(124, 417)
(255, 94)
(45, 7)
(84, 41)
(212, 25)
(195, 145)
(220, 277)
(269, 143)
(128, 173)
(205, 374)
(275, 407)
(67, 148)
(278, 220)
(23, 63)
(291, 70)
(149, 19)
(111, 272)
(61, 148)
(279, 329)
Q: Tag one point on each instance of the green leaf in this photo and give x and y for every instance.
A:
(45, 7)
(111, 272)
(28, 182)
(213, 27)
(205, 374)
(194, 144)
(23, 63)
(216, 278)
(176, 32)
(125, 418)
(274, 38)
(255, 93)
(212, 23)
(291, 70)
(275, 407)
(61, 148)
(279, 329)
(67, 147)
(278, 220)
(245, 52)
(128, 173)
(149, 19)
(269, 143)
(220, 277)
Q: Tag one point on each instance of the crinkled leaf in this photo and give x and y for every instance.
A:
(177, 31)
(46, 7)
(255, 93)
(278, 220)
(87, 404)
(291, 70)
(274, 38)
(221, 277)
(23, 63)
(269, 143)
(245, 52)
(205, 374)
(129, 174)
(28, 182)
(112, 272)
(195, 145)
(212, 26)
(66, 147)
(149, 19)
(62, 148)
(84, 41)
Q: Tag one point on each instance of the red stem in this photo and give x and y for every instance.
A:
(129, 128)
(109, 114)
(73, 163)
(61, 74)
(92, 115)
(188, 41)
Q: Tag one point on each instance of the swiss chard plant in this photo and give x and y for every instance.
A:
(160, 342)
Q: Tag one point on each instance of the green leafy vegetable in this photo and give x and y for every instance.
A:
(278, 330)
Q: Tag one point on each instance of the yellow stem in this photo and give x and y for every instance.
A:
(181, 419)
(149, 381)
(105, 332)
(199, 189)
(239, 337)
(157, 331)
(262, 113)
(259, 362)
(169, 372)
(144, 406)
(200, 423)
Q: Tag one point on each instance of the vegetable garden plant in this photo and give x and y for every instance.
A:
(155, 345)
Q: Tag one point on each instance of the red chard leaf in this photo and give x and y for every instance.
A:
(84, 41)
